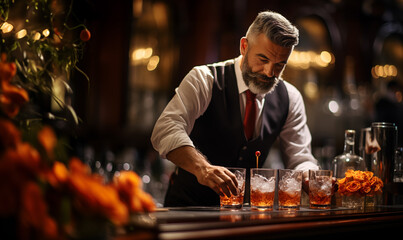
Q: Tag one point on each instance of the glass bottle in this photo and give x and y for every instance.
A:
(347, 160)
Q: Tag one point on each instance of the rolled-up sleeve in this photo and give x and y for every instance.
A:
(190, 101)
(295, 137)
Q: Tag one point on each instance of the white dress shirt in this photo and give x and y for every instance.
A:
(192, 98)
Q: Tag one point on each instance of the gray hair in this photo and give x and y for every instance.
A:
(275, 27)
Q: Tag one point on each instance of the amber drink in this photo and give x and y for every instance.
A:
(235, 201)
(262, 187)
(289, 192)
(320, 188)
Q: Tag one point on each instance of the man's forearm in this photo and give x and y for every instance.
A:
(188, 158)
(217, 178)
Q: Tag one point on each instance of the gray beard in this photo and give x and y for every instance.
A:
(251, 80)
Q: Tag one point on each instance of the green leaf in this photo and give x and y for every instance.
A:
(73, 114)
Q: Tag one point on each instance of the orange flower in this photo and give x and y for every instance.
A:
(358, 176)
(48, 140)
(342, 188)
(378, 185)
(99, 198)
(77, 166)
(353, 186)
(360, 182)
(11, 97)
(373, 181)
(127, 181)
(368, 174)
(7, 70)
(128, 185)
(94, 197)
(34, 214)
(58, 175)
(60, 171)
(147, 201)
(342, 181)
(24, 156)
(349, 174)
(9, 135)
(365, 187)
(17, 167)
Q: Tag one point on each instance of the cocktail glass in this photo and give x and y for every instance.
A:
(320, 189)
(262, 188)
(289, 189)
(235, 201)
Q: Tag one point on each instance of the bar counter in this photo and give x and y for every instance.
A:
(305, 223)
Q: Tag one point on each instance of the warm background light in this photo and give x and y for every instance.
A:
(384, 71)
(307, 59)
(46, 32)
(20, 34)
(144, 56)
(6, 27)
(36, 36)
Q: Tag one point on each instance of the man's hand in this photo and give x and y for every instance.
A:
(218, 178)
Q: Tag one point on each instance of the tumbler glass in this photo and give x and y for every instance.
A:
(320, 189)
(235, 201)
(289, 189)
(262, 188)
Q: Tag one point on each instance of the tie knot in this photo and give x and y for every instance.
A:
(250, 95)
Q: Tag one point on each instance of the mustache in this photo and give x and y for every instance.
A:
(261, 76)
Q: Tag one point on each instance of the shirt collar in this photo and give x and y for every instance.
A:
(239, 79)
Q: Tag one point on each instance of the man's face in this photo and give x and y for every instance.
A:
(262, 63)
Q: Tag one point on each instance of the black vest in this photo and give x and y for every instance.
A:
(219, 135)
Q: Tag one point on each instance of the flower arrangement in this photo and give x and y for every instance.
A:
(45, 195)
(362, 183)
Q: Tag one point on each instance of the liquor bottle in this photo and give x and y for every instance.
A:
(347, 160)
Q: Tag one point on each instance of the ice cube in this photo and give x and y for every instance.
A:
(322, 184)
(326, 186)
(270, 185)
(259, 182)
(239, 176)
(240, 179)
(286, 176)
(290, 184)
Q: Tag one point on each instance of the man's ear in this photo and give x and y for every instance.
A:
(243, 46)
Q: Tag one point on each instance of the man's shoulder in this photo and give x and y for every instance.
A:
(218, 64)
(223, 63)
(205, 69)
(292, 91)
(289, 86)
(296, 101)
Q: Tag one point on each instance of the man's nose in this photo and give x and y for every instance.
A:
(268, 69)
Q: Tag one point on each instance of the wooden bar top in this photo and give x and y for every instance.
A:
(305, 223)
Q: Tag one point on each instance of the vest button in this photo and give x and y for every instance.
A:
(240, 158)
(244, 148)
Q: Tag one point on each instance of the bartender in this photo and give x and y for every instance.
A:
(223, 113)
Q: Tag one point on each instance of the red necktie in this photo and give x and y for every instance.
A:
(250, 115)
